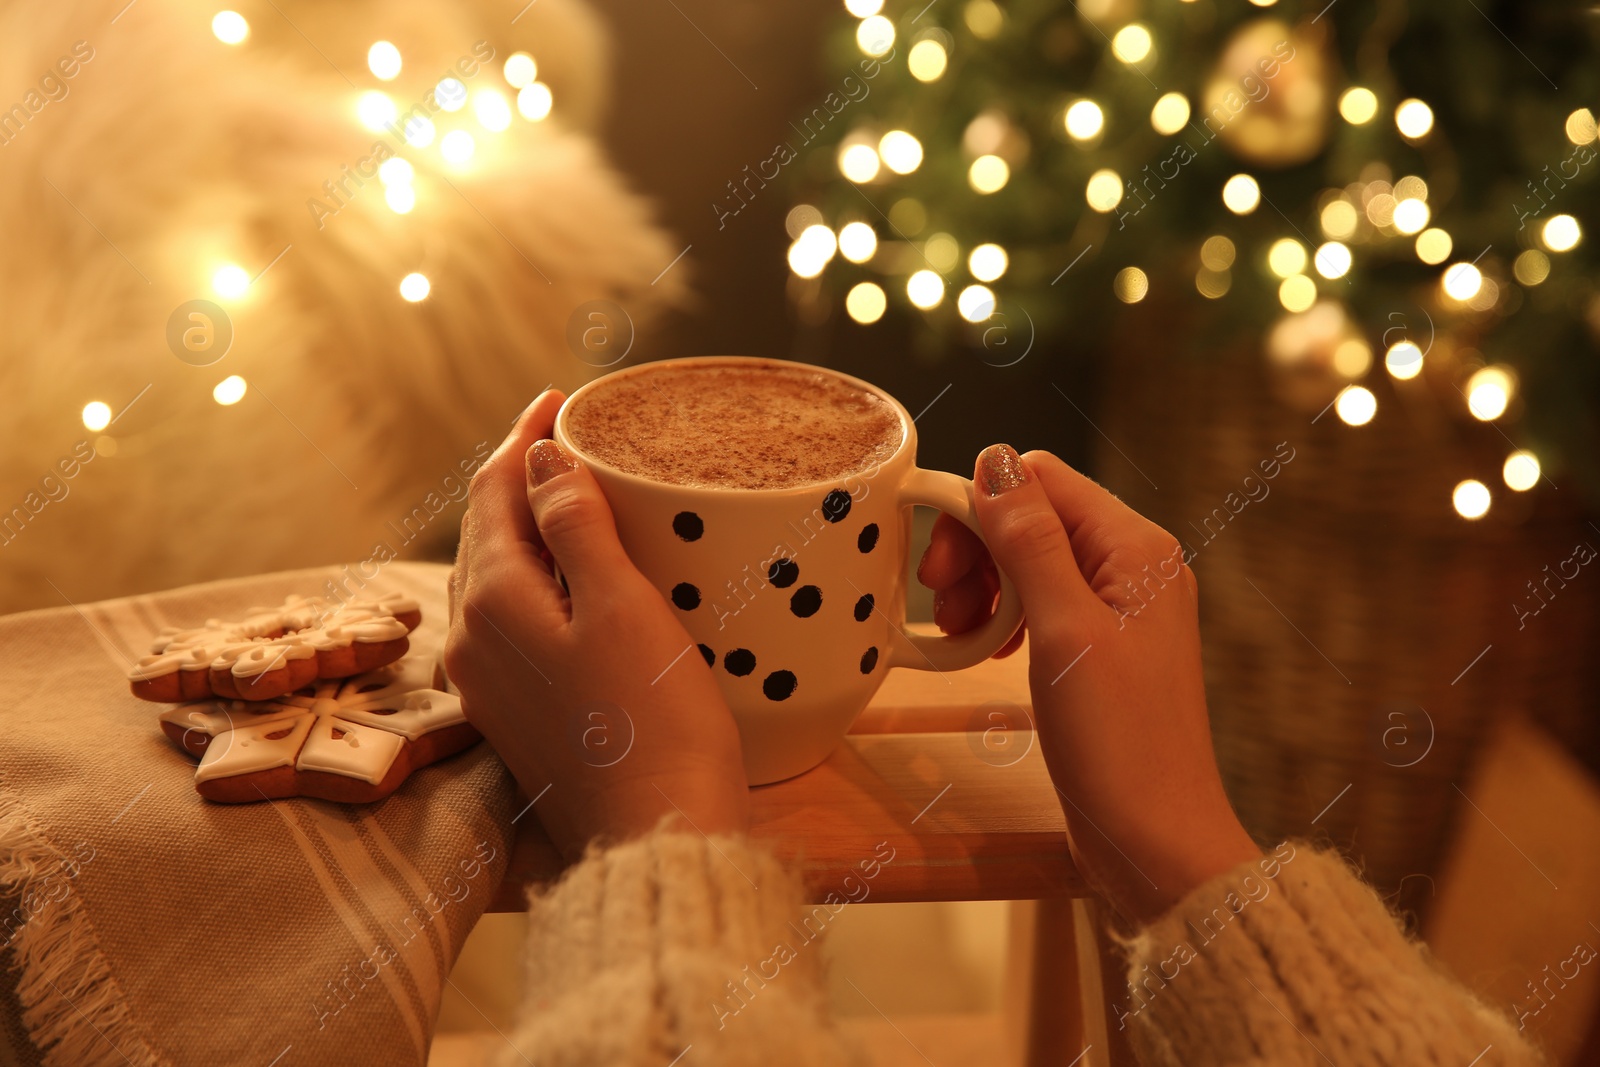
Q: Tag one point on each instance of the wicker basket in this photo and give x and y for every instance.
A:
(1358, 633)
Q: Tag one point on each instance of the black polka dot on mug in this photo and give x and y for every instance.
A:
(806, 600)
(710, 656)
(686, 596)
(779, 685)
(869, 659)
(867, 539)
(688, 526)
(864, 608)
(740, 662)
(836, 505)
(783, 573)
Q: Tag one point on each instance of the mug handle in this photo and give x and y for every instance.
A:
(952, 494)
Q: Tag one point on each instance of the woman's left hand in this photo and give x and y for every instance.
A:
(597, 700)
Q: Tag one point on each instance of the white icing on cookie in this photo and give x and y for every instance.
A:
(213, 717)
(300, 628)
(356, 752)
(253, 660)
(376, 713)
(248, 748)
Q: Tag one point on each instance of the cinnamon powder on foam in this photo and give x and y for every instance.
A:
(735, 427)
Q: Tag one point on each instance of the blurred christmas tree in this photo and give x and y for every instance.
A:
(1356, 188)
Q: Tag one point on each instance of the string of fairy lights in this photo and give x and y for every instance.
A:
(1374, 211)
(376, 111)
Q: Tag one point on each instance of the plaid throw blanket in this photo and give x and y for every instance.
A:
(143, 925)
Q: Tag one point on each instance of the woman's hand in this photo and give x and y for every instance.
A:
(597, 701)
(1114, 670)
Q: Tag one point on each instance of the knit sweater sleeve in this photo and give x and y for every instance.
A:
(672, 941)
(1294, 960)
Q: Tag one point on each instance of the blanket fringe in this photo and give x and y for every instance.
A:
(72, 1006)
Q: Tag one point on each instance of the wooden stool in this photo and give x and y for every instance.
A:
(970, 816)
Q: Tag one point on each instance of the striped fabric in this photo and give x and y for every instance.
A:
(144, 925)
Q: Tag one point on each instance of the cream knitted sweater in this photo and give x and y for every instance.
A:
(676, 942)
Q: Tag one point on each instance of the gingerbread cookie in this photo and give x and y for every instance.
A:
(276, 650)
(352, 740)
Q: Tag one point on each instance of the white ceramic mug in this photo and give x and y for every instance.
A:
(795, 597)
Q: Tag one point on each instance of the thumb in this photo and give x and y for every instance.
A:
(1029, 543)
(574, 521)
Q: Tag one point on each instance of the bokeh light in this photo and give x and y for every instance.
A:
(988, 262)
(1531, 267)
(1170, 114)
(857, 242)
(493, 109)
(1434, 246)
(383, 59)
(927, 61)
(1104, 189)
(457, 147)
(1358, 105)
(1286, 256)
(1580, 126)
(230, 27)
(1333, 260)
(419, 131)
(1461, 281)
(976, 303)
(1352, 358)
(450, 94)
(1403, 360)
(1521, 471)
(534, 101)
(812, 250)
(1132, 43)
(1084, 120)
(859, 162)
(1213, 284)
(376, 111)
(984, 18)
(988, 174)
(396, 171)
(520, 69)
(415, 287)
(925, 289)
(1489, 392)
(942, 252)
(866, 302)
(1355, 405)
(1470, 499)
(875, 35)
(229, 391)
(1131, 285)
(96, 415)
(1339, 219)
(1410, 215)
(400, 198)
(1561, 233)
(1413, 119)
(230, 281)
(1297, 293)
(901, 152)
(1218, 252)
(1240, 194)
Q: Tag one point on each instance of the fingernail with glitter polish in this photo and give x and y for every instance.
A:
(1001, 470)
(546, 460)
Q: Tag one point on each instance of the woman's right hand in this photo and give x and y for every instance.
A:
(1115, 673)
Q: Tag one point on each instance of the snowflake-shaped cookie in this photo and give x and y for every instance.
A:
(352, 740)
(274, 651)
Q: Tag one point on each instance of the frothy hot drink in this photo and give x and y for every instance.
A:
(734, 426)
